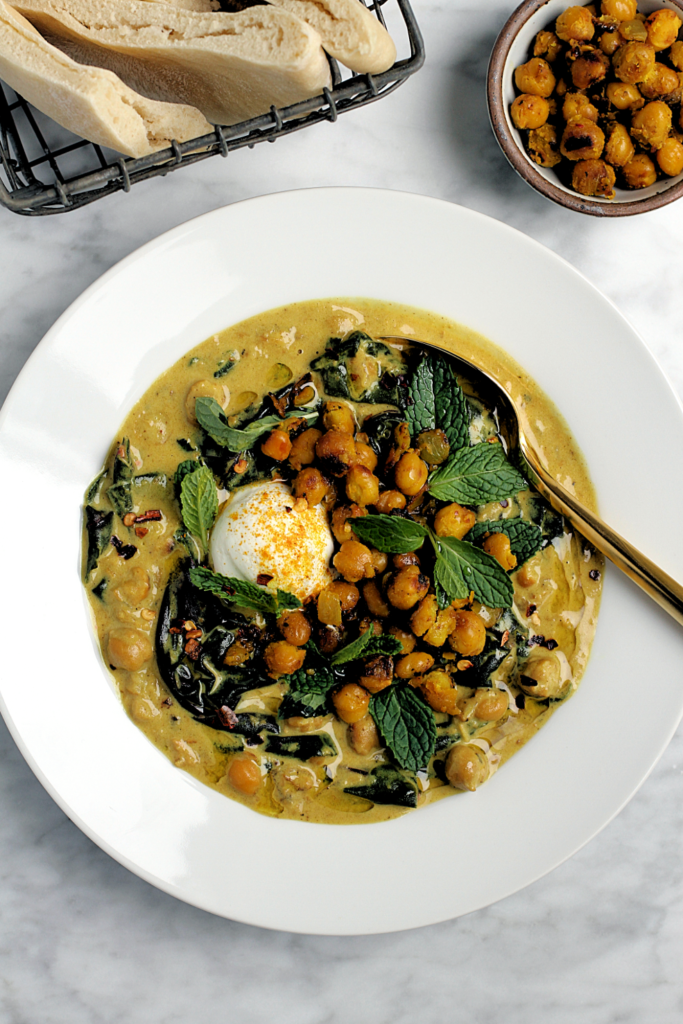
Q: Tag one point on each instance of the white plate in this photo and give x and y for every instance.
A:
(462, 853)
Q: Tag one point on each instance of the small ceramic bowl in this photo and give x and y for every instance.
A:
(511, 49)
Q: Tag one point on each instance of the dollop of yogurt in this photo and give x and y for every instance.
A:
(264, 531)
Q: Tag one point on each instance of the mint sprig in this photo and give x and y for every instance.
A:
(420, 409)
(390, 534)
(406, 724)
(477, 475)
(366, 646)
(461, 568)
(243, 593)
(213, 420)
(308, 694)
(199, 503)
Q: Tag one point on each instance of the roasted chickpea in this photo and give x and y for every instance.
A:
(329, 638)
(577, 105)
(347, 593)
(415, 664)
(469, 636)
(467, 766)
(204, 389)
(619, 148)
(620, 10)
(542, 143)
(610, 42)
(303, 448)
(575, 25)
(529, 575)
(342, 518)
(362, 486)
(454, 521)
(237, 654)
(363, 736)
(277, 445)
(662, 81)
(354, 561)
(676, 55)
(336, 452)
(411, 473)
(390, 500)
(365, 456)
(405, 559)
(633, 62)
(491, 704)
(438, 690)
(582, 140)
(670, 158)
(351, 703)
(380, 560)
(295, 628)
(406, 587)
(433, 445)
(309, 483)
(407, 640)
(662, 28)
(377, 673)
(439, 632)
(128, 648)
(498, 545)
(329, 608)
(424, 615)
(535, 77)
(651, 125)
(589, 69)
(540, 675)
(529, 111)
(547, 45)
(337, 416)
(283, 658)
(134, 588)
(624, 96)
(244, 775)
(375, 600)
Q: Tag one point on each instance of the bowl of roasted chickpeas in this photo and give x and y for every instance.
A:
(585, 102)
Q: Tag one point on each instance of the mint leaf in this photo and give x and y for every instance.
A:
(477, 475)
(307, 695)
(199, 503)
(183, 468)
(391, 534)
(213, 420)
(406, 724)
(387, 785)
(243, 593)
(420, 408)
(525, 537)
(366, 646)
(119, 493)
(460, 568)
(452, 414)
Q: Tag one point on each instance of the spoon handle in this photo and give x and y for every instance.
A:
(649, 577)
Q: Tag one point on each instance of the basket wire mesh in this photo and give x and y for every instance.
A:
(46, 169)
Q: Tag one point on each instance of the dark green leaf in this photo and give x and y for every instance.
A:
(185, 444)
(92, 492)
(227, 364)
(387, 786)
(119, 493)
(477, 475)
(302, 747)
(99, 590)
(452, 414)
(366, 646)
(420, 408)
(406, 725)
(243, 593)
(460, 568)
(199, 503)
(211, 417)
(525, 537)
(361, 369)
(183, 468)
(308, 694)
(391, 534)
(98, 527)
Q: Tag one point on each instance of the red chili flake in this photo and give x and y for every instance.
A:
(505, 637)
(140, 531)
(153, 515)
(193, 634)
(594, 574)
(227, 717)
(263, 579)
(280, 404)
(530, 610)
(174, 629)
(193, 649)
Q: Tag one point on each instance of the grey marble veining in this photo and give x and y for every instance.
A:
(600, 940)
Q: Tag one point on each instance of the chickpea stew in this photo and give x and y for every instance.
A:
(320, 584)
(600, 97)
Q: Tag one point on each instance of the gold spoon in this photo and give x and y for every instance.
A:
(656, 583)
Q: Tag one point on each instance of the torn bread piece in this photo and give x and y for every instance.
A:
(230, 66)
(91, 102)
(349, 31)
(198, 6)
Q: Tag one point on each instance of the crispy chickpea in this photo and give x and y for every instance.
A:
(407, 640)
(362, 486)
(491, 705)
(336, 451)
(454, 521)
(540, 675)
(467, 766)
(469, 636)
(498, 545)
(375, 600)
(413, 665)
(624, 96)
(134, 588)
(406, 587)
(277, 445)
(283, 658)
(438, 690)
(411, 473)
(390, 500)
(380, 560)
(529, 575)
(610, 42)
(204, 389)
(662, 28)
(342, 518)
(303, 448)
(237, 654)
(676, 55)
(295, 628)
(329, 608)
(365, 456)
(351, 703)
(128, 648)
(405, 559)
(542, 144)
(347, 593)
(582, 140)
(619, 148)
(589, 69)
(529, 111)
(577, 105)
(424, 615)
(244, 775)
(377, 673)
(433, 445)
(575, 25)
(338, 416)
(662, 81)
(363, 736)
(309, 483)
(439, 632)
(354, 561)
(547, 45)
(634, 61)
(620, 10)
(670, 158)
(535, 77)
(651, 125)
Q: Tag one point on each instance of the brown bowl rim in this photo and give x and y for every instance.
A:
(494, 95)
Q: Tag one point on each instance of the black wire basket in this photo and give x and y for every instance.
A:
(47, 169)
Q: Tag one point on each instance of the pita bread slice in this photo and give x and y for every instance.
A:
(93, 103)
(349, 31)
(230, 66)
(198, 6)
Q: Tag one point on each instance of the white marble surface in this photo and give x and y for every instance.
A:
(600, 940)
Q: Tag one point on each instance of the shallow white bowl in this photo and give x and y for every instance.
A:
(439, 862)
